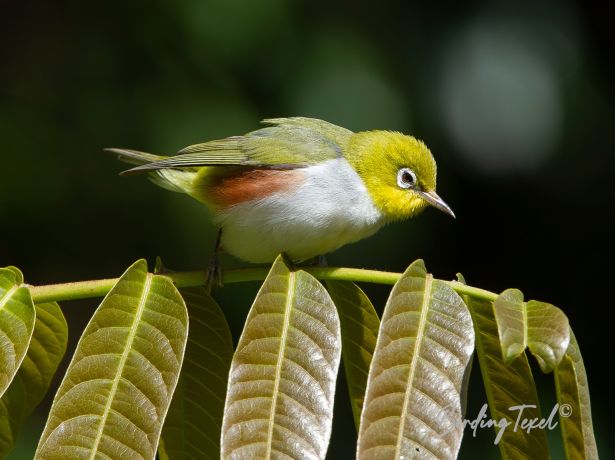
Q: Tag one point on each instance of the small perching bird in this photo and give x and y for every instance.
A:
(300, 186)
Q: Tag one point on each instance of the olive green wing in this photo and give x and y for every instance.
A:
(286, 142)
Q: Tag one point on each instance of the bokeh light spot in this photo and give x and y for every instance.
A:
(500, 100)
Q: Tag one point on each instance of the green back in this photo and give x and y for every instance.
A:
(293, 141)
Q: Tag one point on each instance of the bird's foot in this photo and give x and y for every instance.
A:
(214, 274)
(288, 261)
(317, 261)
(214, 270)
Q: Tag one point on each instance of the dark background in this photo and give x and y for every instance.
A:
(515, 101)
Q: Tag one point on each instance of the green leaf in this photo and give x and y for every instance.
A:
(17, 316)
(541, 327)
(465, 384)
(193, 424)
(118, 387)
(573, 398)
(413, 404)
(359, 324)
(279, 402)
(17, 272)
(32, 381)
(509, 311)
(506, 386)
(548, 334)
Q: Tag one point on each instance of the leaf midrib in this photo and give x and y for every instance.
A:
(7, 296)
(118, 374)
(525, 325)
(415, 357)
(278, 372)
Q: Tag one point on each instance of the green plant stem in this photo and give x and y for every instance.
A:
(99, 288)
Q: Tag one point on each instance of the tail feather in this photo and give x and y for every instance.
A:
(134, 157)
(171, 179)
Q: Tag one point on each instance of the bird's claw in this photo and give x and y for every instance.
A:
(214, 274)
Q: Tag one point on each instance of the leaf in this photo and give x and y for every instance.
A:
(17, 316)
(32, 381)
(193, 424)
(548, 334)
(17, 272)
(573, 398)
(413, 404)
(359, 325)
(509, 311)
(282, 380)
(506, 386)
(465, 385)
(118, 386)
(541, 327)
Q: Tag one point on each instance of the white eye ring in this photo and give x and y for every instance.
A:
(406, 178)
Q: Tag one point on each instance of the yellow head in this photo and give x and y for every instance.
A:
(398, 171)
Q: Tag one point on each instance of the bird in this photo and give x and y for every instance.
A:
(299, 186)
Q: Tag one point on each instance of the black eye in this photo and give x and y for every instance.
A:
(406, 178)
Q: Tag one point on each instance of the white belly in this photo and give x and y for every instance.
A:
(327, 210)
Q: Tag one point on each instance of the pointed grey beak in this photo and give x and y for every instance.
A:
(433, 199)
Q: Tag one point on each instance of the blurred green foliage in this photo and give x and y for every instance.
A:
(77, 77)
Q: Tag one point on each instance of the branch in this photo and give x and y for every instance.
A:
(99, 288)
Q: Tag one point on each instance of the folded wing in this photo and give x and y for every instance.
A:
(287, 142)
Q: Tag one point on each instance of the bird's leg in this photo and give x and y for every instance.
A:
(214, 270)
(288, 261)
(317, 261)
